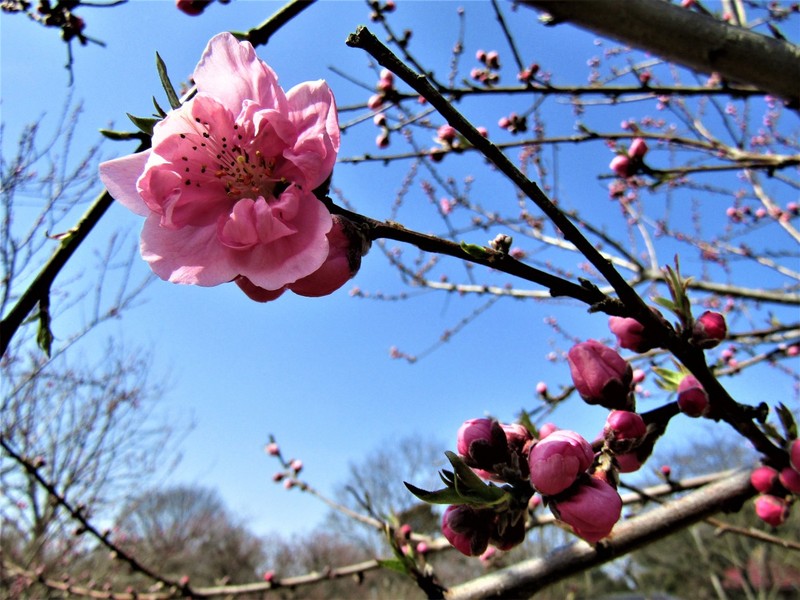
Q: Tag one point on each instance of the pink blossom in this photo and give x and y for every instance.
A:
(592, 511)
(622, 166)
(637, 149)
(764, 479)
(692, 397)
(709, 330)
(227, 187)
(790, 479)
(771, 509)
(600, 374)
(557, 461)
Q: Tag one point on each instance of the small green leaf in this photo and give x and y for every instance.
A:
(668, 379)
(665, 302)
(773, 433)
(394, 564)
(474, 250)
(159, 111)
(443, 496)
(121, 136)
(145, 124)
(787, 421)
(172, 96)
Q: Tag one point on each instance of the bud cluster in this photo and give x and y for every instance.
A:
(627, 165)
(487, 74)
(777, 490)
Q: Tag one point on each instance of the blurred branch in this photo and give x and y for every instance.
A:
(706, 44)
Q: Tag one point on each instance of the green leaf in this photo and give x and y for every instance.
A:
(668, 379)
(159, 111)
(772, 432)
(443, 496)
(665, 302)
(394, 564)
(145, 124)
(787, 421)
(172, 97)
(474, 250)
(121, 136)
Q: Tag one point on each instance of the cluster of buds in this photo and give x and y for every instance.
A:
(777, 489)
(528, 75)
(559, 465)
(487, 74)
(386, 93)
(627, 165)
(744, 214)
(513, 123)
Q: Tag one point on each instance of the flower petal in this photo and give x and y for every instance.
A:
(120, 176)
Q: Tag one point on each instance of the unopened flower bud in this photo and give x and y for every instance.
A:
(296, 465)
(692, 398)
(709, 330)
(467, 529)
(623, 431)
(423, 548)
(546, 430)
(269, 576)
(446, 133)
(790, 479)
(764, 479)
(405, 531)
(556, 461)
(638, 149)
(628, 462)
(493, 59)
(375, 101)
(666, 471)
(541, 388)
(630, 334)
(771, 509)
(601, 375)
(482, 443)
(272, 449)
(794, 455)
(192, 7)
(591, 511)
(622, 166)
(346, 245)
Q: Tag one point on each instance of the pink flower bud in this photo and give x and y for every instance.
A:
(639, 375)
(493, 59)
(382, 140)
(423, 548)
(630, 334)
(666, 471)
(764, 479)
(375, 101)
(272, 449)
(480, 55)
(771, 509)
(446, 133)
(483, 131)
(482, 443)
(379, 120)
(541, 388)
(546, 430)
(638, 149)
(296, 465)
(709, 330)
(794, 455)
(556, 461)
(628, 462)
(387, 75)
(592, 511)
(790, 479)
(269, 576)
(622, 166)
(517, 436)
(346, 246)
(624, 431)
(405, 531)
(692, 398)
(467, 529)
(600, 375)
(192, 7)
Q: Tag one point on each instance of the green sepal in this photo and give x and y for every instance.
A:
(772, 432)
(787, 421)
(475, 250)
(145, 124)
(159, 111)
(121, 136)
(667, 379)
(394, 564)
(169, 89)
(443, 496)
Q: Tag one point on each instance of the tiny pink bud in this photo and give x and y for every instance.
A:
(382, 141)
(692, 398)
(790, 479)
(622, 166)
(639, 375)
(628, 462)
(794, 455)
(771, 509)
(268, 576)
(423, 548)
(624, 431)
(375, 101)
(387, 75)
(666, 471)
(600, 375)
(483, 131)
(541, 388)
(446, 133)
(493, 59)
(764, 479)
(480, 55)
(556, 461)
(379, 120)
(277, 477)
(467, 529)
(591, 511)
(709, 330)
(184, 580)
(296, 465)
(272, 449)
(192, 7)
(638, 149)
(405, 531)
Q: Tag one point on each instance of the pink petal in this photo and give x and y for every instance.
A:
(230, 71)
(120, 176)
(312, 109)
(191, 255)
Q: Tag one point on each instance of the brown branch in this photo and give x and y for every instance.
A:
(528, 577)
(693, 40)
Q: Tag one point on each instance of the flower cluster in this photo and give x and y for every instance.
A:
(627, 165)
(776, 489)
(487, 74)
(228, 188)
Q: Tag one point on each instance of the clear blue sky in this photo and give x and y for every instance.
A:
(314, 372)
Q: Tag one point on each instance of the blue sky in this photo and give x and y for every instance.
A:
(314, 372)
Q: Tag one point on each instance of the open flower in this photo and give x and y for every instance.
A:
(227, 188)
